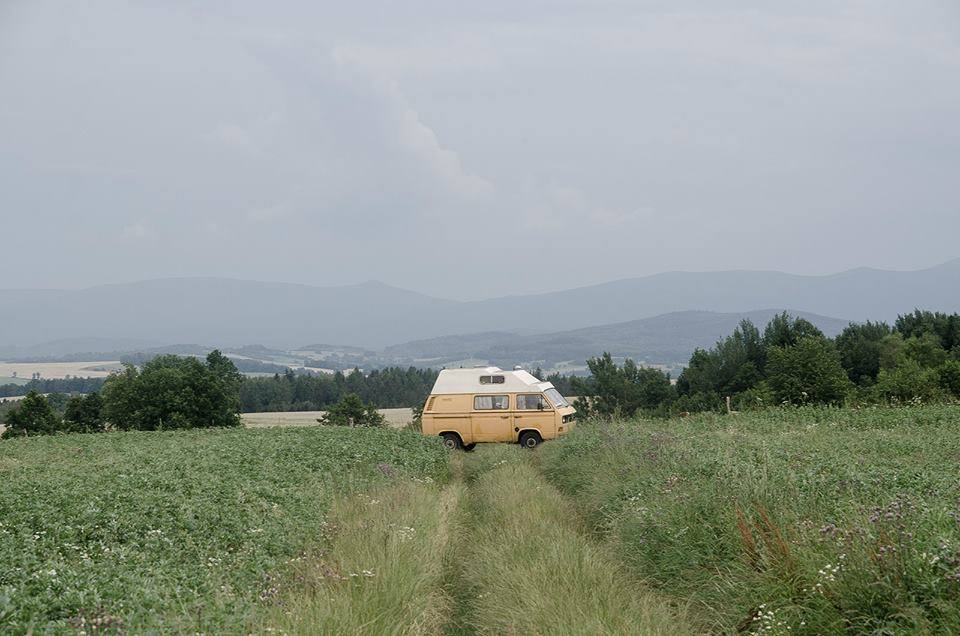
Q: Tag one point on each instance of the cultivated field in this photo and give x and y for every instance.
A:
(178, 532)
(789, 521)
(396, 418)
(58, 370)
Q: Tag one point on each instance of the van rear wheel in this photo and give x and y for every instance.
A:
(529, 439)
(452, 441)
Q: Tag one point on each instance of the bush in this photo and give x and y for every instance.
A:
(759, 397)
(949, 375)
(32, 416)
(351, 411)
(807, 373)
(171, 392)
(908, 382)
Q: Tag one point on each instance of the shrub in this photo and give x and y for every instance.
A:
(949, 375)
(908, 382)
(759, 397)
(807, 373)
(32, 416)
(351, 411)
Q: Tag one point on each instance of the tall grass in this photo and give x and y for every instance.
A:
(787, 521)
(526, 567)
(383, 572)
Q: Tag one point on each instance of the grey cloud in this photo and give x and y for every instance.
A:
(556, 143)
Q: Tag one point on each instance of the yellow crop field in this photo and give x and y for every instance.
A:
(59, 370)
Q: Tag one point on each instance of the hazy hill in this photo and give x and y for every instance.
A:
(662, 339)
(228, 312)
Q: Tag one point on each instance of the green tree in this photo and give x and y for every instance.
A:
(808, 372)
(945, 327)
(623, 389)
(786, 331)
(735, 364)
(351, 411)
(859, 348)
(32, 416)
(172, 392)
(84, 413)
(925, 350)
(891, 351)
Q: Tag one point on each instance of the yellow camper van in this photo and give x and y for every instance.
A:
(469, 406)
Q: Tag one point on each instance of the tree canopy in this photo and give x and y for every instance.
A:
(172, 392)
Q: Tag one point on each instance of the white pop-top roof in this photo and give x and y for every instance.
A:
(458, 381)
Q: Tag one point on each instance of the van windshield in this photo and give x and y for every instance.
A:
(556, 398)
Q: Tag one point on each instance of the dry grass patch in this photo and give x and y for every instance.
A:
(530, 568)
(396, 418)
(383, 573)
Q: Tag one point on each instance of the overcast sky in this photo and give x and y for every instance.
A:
(515, 146)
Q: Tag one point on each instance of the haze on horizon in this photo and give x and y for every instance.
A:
(475, 151)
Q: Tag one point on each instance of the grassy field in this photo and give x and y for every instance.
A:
(809, 521)
(186, 531)
(792, 521)
(396, 418)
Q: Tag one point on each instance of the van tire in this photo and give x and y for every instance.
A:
(469, 447)
(452, 441)
(530, 439)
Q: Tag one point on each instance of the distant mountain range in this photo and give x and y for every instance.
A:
(231, 313)
(668, 339)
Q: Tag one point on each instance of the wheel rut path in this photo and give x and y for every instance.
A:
(519, 560)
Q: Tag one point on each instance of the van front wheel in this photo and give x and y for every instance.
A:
(452, 441)
(530, 439)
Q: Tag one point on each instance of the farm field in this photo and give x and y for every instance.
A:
(396, 418)
(788, 521)
(185, 531)
(58, 370)
(802, 521)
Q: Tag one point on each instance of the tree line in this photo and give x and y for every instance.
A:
(57, 385)
(791, 361)
(391, 387)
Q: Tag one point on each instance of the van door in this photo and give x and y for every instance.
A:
(534, 411)
(492, 420)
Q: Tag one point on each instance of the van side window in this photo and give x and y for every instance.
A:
(490, 402)
(492, 379)
(532, 403)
